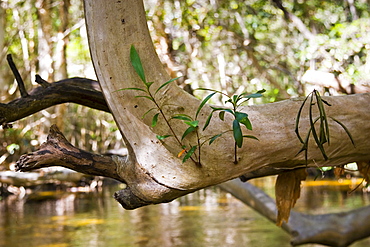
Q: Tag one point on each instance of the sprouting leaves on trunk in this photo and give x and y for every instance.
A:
(188, 151)
(240, 118)
(321, 135)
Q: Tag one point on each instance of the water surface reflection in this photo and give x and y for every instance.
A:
(205, 218)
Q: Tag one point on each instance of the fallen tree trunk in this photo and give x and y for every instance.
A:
(112, 29)
(330, 229)
(153, 162)
(336, 229)
(340, 229)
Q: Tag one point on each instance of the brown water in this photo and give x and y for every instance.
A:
(206, 218)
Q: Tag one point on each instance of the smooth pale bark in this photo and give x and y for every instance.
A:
(335, 229)
(57, 151)
(112, 28)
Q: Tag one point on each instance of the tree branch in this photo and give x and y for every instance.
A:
(57, 151)
(336, 229)
(76, 90)
(17, 76)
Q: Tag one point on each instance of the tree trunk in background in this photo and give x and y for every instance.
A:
(6, 77)
(45, 48)
(3, 67)
(60, 57)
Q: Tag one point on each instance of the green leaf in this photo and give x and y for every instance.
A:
(161, 138)
(166, 83)
(324, 126)
(325, 102)
(149, 84)
(235, 99)
(221, 115)
(192, 123)
(242, 118)
(155, 120)
(259, 94)
(182, 117)
(208, 120)
(254, 95)
(298, 117)
(136, 63)
(146, 97)
(222, 109)
(188, 131)
(189, 153)
(148, 112)
(213, 138)
(238, 136)
(131, 88)
(204, 101)
(346, 130)
(251, 137)
(313, 130)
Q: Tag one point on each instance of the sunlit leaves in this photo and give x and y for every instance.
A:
(155, 120)
(161, 138)
(193, 124)
(136, 63)
(165, 84)
(204, 101)
(240, 118)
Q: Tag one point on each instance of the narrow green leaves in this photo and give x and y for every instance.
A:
(136, 63)
(155, 120)
(193, 124)
(193, 128)
(161, 138)
(204, 101)
(320, 134)
(213, 138)
(189, 154)
(183, 117)
(237, 132)
(346, 130)
(165, 84)
(242, 118)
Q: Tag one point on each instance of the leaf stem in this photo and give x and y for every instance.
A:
(170, 127)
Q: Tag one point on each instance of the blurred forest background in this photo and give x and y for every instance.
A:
(287, 48)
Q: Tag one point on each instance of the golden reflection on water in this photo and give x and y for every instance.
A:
(206, 218)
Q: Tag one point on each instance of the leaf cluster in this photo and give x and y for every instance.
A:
(148, 94)
(240, 118)
(322, 135)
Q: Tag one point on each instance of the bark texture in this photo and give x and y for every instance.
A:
(348, 227)
(76, 90)
(113, 28)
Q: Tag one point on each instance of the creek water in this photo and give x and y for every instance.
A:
(205, 218)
